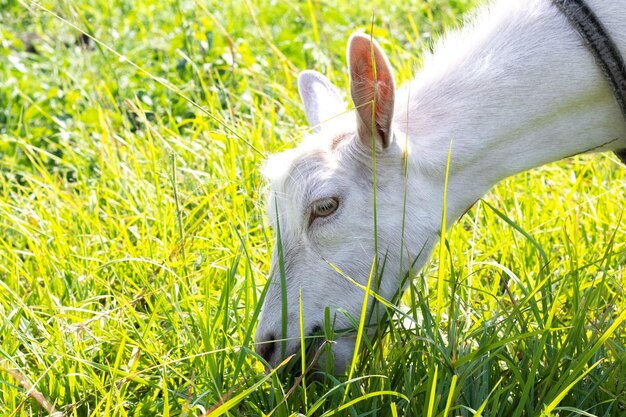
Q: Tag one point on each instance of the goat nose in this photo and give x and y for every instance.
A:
(266, 347)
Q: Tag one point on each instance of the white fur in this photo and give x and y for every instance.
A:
(513, 90)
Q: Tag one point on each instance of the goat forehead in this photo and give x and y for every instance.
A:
(300, 175)
(296, 170)
(307, 179)
(293, 176)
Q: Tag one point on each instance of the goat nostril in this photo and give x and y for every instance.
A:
(267, 347)
(317, 330)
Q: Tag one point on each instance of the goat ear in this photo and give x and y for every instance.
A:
(372, 89)
(320, 97)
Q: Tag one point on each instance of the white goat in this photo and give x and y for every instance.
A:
(514, 90)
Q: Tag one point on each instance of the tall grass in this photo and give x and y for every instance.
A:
(134, 247)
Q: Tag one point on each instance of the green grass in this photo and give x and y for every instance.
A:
(133, 243)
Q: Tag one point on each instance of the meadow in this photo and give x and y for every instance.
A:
(134, 244)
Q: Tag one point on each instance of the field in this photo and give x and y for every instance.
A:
(134, 244)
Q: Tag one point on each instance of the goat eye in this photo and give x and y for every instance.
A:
(324, 207)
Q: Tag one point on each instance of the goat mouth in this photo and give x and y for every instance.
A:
(314, 346)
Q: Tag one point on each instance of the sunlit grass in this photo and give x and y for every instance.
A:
(134, 247)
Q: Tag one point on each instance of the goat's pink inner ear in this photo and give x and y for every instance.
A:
(371, 83)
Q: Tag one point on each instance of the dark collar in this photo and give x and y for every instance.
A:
(608, 57)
